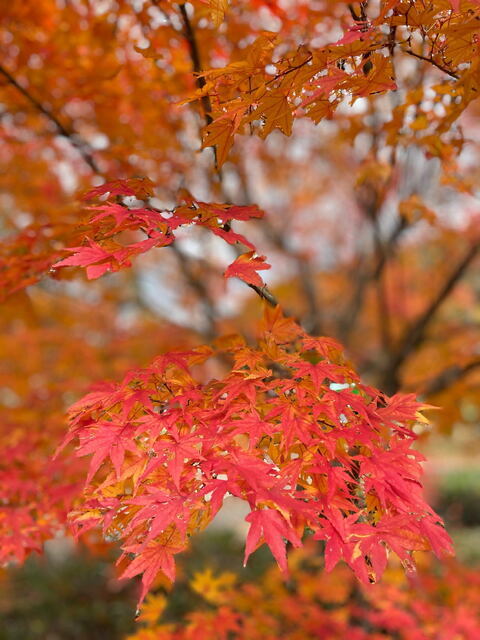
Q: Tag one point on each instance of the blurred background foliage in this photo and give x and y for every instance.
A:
(71, 593)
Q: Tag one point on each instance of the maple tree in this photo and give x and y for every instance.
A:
(215, 106)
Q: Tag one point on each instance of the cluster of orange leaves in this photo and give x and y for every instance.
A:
(272, 83)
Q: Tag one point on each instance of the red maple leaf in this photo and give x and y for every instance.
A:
(274, 528)
(150, 561)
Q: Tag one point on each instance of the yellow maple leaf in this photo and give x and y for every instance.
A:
(153, 608)
(217, 11)
(214, 589)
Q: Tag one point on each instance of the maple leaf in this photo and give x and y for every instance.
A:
(218, 9)
(108, 440)
(233, 238)
(179, 449)
(233, 212)
(160, 509)
(140, 187)
(274, 529)
(357, 31)
(221, 133)
(149, 561)
(213, 588)
(277, 114)
(153, 608)
(88, 257)
(274, 432)
(246, 266)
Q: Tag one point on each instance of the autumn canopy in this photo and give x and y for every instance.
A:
(191, 194)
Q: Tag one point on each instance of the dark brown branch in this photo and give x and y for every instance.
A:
(80, 145)
(196, 61)
(362, 16)
(415, 335)
(265, 293)
(313, 321)
(381, 290)
(452, 74)
(449, 377)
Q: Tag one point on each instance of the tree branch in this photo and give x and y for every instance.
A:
(305, 276)
(450, 376)
(196, 61)
(80, 145)
(452, 74)
(381, 290)
(265, 293)
(415, 335)
(312, 323)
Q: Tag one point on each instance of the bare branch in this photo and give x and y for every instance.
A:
(197, 285)
(381, 290)
(364, 279)
(312, 322)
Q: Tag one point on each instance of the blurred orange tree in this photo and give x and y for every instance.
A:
(353, 125)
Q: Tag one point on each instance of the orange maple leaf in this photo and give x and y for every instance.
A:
(246, 266)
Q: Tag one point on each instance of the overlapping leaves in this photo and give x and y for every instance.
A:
(116, 230)
(280, 78)
(289, 429)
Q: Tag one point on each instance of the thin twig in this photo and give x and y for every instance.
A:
(452, 74)
(265, 293)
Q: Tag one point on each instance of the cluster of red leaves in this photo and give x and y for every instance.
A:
(113, 217)
(26, 256)
(437, 603)
(35, 498)
(290, 430)
(109, 236)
